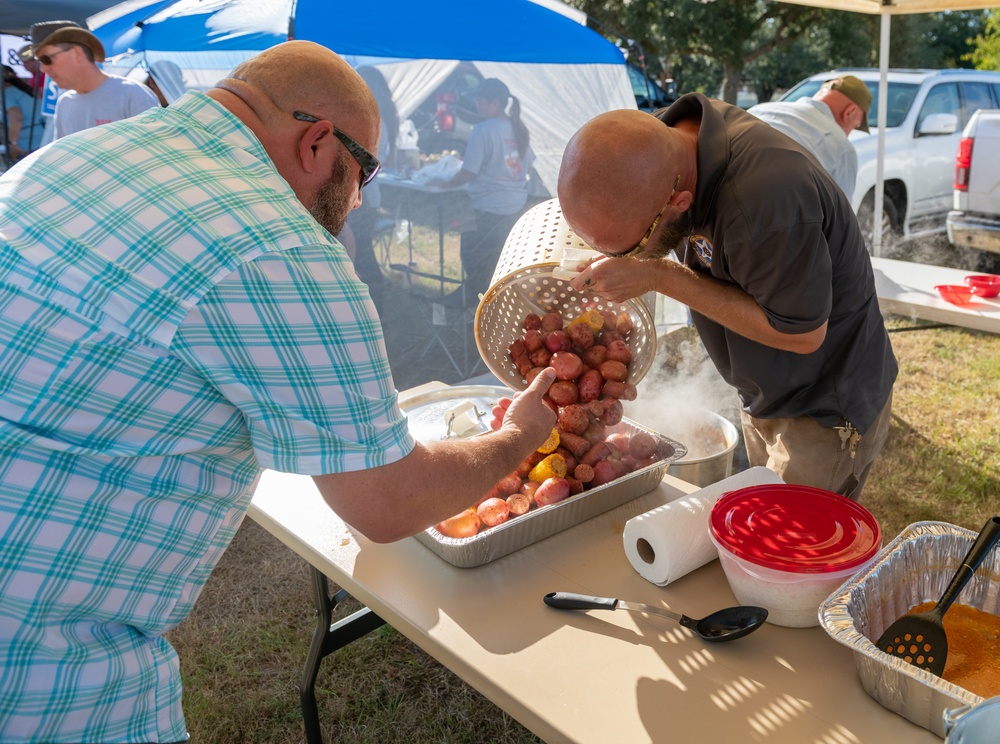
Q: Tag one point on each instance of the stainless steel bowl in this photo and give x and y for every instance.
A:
(708, 469)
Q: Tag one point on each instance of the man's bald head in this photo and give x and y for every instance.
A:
(303, 76)
(616, 174)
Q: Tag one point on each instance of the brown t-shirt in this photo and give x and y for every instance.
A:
(768, 218)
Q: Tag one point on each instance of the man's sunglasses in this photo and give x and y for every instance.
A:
(649, 233)
(46, 59)
(370, 165)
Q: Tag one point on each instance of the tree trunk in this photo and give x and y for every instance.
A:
(730, 81)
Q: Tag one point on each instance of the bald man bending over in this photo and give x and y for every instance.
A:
(176, 316)
(772, 265)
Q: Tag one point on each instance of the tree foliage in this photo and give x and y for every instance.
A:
(985, 54)
(717, 46)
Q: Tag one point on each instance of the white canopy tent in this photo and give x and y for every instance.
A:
(886, 9)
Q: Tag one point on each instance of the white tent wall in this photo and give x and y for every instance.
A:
(556, 100)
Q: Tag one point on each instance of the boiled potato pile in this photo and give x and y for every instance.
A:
(591, 358)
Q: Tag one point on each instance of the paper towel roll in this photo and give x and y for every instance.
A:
(672, 540)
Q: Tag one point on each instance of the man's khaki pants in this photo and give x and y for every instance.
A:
(801, 451)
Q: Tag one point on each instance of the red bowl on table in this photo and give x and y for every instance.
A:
(984, 285)
(956, 294)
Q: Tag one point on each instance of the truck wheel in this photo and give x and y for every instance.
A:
(890, 222)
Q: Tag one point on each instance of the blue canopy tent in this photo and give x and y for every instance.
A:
(563, 72)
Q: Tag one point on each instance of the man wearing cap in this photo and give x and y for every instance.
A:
(69, 55)
(821, 124)
(773, 266)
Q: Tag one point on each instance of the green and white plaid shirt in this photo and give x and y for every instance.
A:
(171, 320)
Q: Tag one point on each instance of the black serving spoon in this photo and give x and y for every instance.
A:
(723, 625)
(919, 639)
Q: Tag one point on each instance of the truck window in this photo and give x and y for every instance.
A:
(942, 99)
(974, 97)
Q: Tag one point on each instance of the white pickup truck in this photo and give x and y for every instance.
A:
(926, 112)
(975, 220)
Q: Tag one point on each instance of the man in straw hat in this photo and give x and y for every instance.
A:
(69, 55)
(822, 123)
(175, 316)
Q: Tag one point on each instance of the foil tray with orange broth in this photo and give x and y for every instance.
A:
(914, 568)
(426, 413)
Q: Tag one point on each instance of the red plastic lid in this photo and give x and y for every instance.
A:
(792, 528)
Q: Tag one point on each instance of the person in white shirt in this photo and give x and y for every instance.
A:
(69, 55)
(821, 124)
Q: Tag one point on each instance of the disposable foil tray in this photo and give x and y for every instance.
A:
(427, 414)
(915, 567)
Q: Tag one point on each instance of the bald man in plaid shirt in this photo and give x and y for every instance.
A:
(176, 315)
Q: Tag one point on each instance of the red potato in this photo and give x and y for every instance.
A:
(568, 366)
(533, 340)
(573, 418)
(510, 483)
(581, 336)
(596, 354)
(613, 412)
(607, 337)
(557, 341)
(617, 443)
(642, 445)
(493, 512)
(620, 390)
(519, 503)
(533, 373)
(532, 322)
(613, 370)
(564, 393)
(610, 319)
(590, 385)
(617, 351)
(551, 491)
(624, 324)
(528, 488)
(552, 322)
(466, 524)
(604, 472)
(539, 358)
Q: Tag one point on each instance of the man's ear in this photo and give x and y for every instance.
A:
(313, 145)
(682, 200)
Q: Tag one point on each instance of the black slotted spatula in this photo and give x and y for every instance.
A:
(920, 639)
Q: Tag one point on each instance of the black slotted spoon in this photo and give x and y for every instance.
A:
(920, 639)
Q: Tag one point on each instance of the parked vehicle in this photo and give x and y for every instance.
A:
(650, 95)
(926, 111)
(975, 220)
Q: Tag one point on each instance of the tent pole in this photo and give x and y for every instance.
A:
(883, 102)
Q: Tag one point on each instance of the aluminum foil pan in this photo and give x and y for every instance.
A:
(427, 414)
(915, 567)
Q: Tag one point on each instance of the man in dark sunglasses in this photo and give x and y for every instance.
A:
(70, 55)
(772, 264)
(176, 315)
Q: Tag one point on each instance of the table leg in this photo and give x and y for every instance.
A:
(328, 638)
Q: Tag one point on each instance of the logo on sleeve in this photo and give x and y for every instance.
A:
(703, 247)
